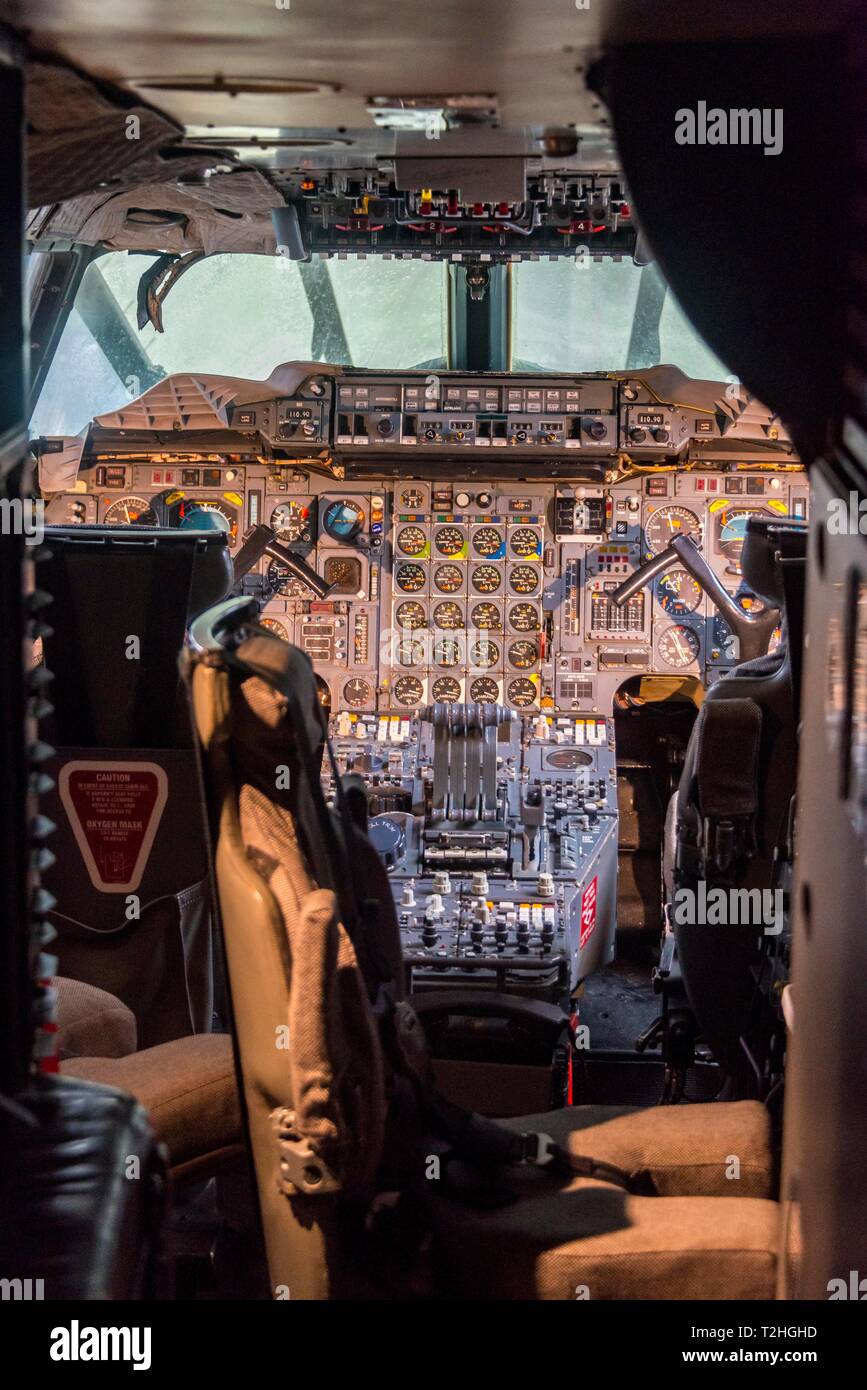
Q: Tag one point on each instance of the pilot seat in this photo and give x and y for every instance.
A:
(369, 1182)
(730, 822)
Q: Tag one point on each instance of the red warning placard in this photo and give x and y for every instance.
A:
(588, 912)
(114, 810)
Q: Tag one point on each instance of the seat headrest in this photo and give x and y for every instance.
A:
(212, 577)
(269, 675)
(760, 560)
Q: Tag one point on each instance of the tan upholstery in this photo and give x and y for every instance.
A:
(706, 1233)
(92, 1022)
(719, 1149)
(591, 1240)
(188, 1086)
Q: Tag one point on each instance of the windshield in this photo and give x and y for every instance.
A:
(241, 315)
(238, 315)
(595, 316)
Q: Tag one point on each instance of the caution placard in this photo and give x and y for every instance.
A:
(114, 809)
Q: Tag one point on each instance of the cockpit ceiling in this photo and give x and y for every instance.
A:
(525, 53)
(285, 64)
(302, 79)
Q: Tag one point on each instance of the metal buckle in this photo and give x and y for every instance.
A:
(538, 1149)
(301, 1167)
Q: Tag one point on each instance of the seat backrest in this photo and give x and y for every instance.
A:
(716, 962)
(132, 908)
(308, 1051)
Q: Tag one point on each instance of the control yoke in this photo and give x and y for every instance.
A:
(262, 540)
(753, 631)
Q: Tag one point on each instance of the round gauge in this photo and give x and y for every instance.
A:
(291, 521)
(273, 626)
(732, 523)
(343, 519)
(521, 692)
(446, 690)
(357, 692)
(484, 690)
(323, 694)
(486, 579)
(568, 758)
(342, 573)
(750, 603)
(487, 617)
(725, 643)
(450, 540)
(668, 522)
(412, 497)
(678, 593)
(448, 578)
(447, 652)
(205, 515)
(410, 615)
(284, 581)
(412, 540)
(524, 579)
(411, 652)
(524, 617)
(408, 690)
(449, 616)
(526, 542)
(410, 578)
(678, 646)
(484, 653)
(523, 654)
(489, 542)
(130, 511)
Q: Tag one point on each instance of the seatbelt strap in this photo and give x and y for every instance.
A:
(483, 1143)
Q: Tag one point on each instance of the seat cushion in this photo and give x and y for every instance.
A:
(591, 1240)
(715, 1149)
(91, 1022)
(187, 1086)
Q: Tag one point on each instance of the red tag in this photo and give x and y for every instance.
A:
(588, 912)
(114, 810)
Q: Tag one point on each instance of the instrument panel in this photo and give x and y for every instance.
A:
(477, 590)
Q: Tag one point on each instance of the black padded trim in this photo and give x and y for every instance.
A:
(70, 1214)
(729, 733)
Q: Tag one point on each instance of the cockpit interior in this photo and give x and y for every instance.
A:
(433, 459)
